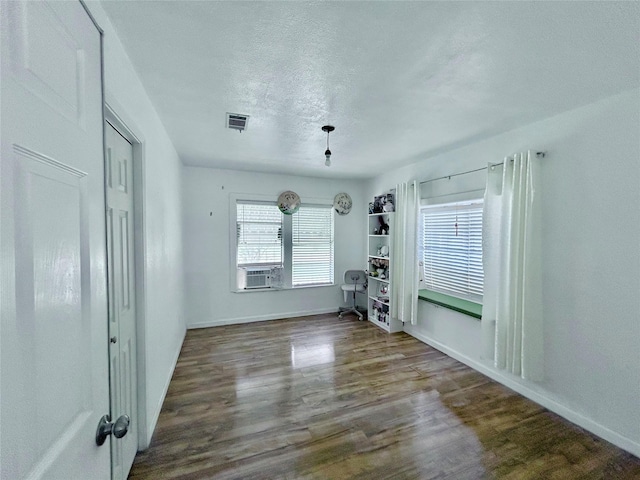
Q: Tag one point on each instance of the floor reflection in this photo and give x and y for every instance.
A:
(439, 432)
(308, 355)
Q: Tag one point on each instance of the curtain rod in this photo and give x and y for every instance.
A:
(538, 154)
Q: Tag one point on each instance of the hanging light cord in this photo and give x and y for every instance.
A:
(327, 153)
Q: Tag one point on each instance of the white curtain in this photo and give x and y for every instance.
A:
(404, 260)
(512, 304)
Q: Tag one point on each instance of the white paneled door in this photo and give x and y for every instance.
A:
(122, 311)
(54, 343)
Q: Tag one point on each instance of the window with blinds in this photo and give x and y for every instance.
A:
(450, 248)
(300, 244)
(312, 242)
(259, 234)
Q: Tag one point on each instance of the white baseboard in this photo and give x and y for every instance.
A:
(260, 318)
(151, 426)
(541, 399)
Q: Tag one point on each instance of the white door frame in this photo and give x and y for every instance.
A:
(114, 114)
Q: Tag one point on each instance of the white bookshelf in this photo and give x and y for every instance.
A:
(380, 265)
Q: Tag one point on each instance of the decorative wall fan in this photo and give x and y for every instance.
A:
(288, 202)
(342, 203)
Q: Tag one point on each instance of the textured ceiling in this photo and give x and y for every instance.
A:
(401, 81)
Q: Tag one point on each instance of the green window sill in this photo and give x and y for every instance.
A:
(447, 301)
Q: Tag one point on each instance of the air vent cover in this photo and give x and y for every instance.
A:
(237, 121)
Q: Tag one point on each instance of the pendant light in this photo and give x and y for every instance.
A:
(327, 153)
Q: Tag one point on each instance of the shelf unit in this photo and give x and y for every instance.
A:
(380, 265)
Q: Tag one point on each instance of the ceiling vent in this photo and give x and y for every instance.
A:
(237, 121)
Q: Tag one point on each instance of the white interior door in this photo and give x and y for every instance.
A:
(54, 344)
(122, 311)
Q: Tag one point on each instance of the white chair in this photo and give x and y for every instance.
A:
(355, 281)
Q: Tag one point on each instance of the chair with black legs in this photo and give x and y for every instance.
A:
(355, 281)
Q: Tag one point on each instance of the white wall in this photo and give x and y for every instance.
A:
(591, 265)
(163, 305)
(209, 300)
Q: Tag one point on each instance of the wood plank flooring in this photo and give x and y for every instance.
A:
(322, 398)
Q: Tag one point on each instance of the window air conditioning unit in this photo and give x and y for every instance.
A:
(254, 277)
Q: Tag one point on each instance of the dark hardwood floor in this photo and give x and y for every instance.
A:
(322, 398)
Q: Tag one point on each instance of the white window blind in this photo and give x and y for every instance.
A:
(312, 256)
(259, 234)
(450, 246)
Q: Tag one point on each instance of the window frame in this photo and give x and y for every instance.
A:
(443, 292)
(287, 242)
(300, 243)
(273, 263)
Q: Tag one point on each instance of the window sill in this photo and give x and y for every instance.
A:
(280, 289)
(467, 307)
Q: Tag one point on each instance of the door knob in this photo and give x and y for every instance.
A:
(106, 427)
(113, 339)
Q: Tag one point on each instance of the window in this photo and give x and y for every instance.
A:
(312, 246)
(259, 234)
(283, 251)
(450, 249)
